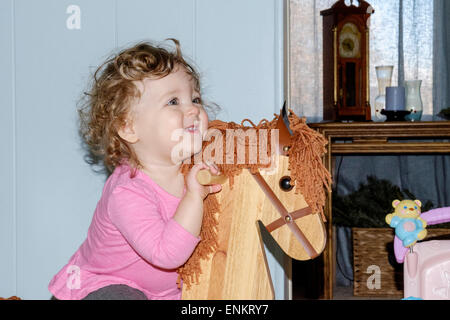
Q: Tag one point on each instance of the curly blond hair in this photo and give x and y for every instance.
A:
(106, 106)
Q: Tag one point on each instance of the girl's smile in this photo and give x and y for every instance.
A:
(193, 128)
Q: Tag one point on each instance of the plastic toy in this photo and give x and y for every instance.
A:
(409, 226)
(426, 264)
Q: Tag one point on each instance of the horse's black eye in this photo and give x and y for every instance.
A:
(285, 184)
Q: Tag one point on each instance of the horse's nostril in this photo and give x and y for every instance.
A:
(285, 183)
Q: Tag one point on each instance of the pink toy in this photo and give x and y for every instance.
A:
(427, 271)
(427, 264)
(435, 216)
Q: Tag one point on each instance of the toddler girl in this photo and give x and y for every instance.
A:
(144, 103)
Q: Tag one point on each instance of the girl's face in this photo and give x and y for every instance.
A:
(168, 121)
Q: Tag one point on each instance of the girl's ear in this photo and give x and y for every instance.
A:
(128, 133)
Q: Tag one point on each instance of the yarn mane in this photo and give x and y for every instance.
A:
(307, 172)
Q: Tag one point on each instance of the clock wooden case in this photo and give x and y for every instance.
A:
(346, 89)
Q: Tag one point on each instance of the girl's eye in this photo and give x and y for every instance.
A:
(197, 100)
(173, 102)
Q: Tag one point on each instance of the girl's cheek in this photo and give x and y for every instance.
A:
(205, 115)
(203, 126)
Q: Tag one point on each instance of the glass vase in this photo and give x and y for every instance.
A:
(384, 78)
(413, 100)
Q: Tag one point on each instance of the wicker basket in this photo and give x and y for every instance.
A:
(373, 252)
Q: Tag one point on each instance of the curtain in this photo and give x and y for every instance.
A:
(401, 34)
(412, 35)
(441, 89)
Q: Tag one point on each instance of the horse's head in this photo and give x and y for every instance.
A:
(275, 176)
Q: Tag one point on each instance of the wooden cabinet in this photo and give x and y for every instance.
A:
(374, 138)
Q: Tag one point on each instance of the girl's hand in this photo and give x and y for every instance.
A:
(195, 188)
(189, 213)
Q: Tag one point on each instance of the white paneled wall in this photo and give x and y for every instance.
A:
(7, 152)
(47, 191)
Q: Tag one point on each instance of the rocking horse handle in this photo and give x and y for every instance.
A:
(205, 177)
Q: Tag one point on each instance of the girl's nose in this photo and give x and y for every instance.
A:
(193, 109)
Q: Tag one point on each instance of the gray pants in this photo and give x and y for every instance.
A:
(115, 292)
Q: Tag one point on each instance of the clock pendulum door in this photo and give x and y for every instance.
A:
(349, 69)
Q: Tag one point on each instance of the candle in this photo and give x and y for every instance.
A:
(395, 98)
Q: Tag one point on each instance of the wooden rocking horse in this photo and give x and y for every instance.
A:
(285, 196)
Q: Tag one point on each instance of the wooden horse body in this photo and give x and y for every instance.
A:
(238, 268)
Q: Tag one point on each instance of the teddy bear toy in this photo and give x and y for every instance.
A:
(409, 226)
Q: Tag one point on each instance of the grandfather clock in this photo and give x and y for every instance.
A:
(346, 88)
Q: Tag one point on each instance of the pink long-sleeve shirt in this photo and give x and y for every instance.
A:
(132, 240)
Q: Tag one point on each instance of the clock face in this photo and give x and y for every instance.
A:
(349, 39)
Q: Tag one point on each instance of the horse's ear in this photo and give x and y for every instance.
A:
(284, 136)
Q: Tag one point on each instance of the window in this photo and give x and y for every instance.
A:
(401, 34)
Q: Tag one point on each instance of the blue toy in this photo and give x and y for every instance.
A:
(409, 226)
(412, 298)
(426, 269)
